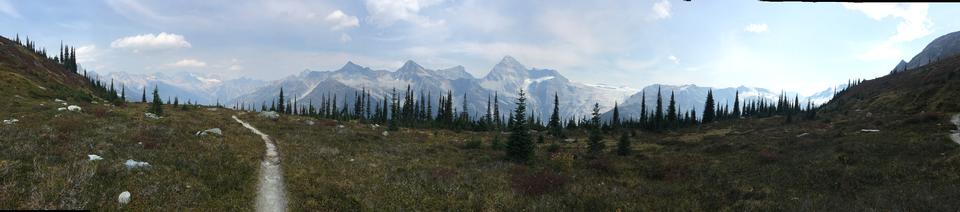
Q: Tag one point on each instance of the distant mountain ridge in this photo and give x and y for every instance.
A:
(942, 47)
(200, 88)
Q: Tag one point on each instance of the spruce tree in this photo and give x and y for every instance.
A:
(143, 99)
(658, 114)
(554, 124)
(157, 106)
(623, 146)
(709, 110)
(672, 111)
(615, 121)
(519, 145)
(596, 138)
(280, 102)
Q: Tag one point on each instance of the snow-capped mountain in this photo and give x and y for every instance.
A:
(940, 48)
(201, 88)
(689, 97)
(504, 80)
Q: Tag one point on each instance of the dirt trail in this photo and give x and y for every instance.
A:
(270, 194)
(955, 136)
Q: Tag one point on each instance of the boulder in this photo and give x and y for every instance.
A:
(215, 131)
(132, 164)
(94, 157)
(385, 133)
(10, 121)
(151, 116)
(74, 108)
(869, 130)
(61, 109)
(124, 198)
(310, 122)
(272, 115)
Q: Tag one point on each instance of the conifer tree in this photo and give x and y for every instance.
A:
(615, 121)
(643, 107)
(157, 106)
(658, 114)
(143, 99)
(596, 138)
(554, 124)
(709, 110)
(280, 102)
(519, 145)
(623, 146)
(672, 111)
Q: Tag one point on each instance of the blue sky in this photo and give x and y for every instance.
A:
(802, 47)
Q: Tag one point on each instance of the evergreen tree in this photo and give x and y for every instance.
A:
(643, 107)
(143, 99)
(280, 102)
(709, 110)
(596, 138)
(176, 101)
(623, 146)
(554, 124)
(519, 145)
(615, 121)
(496, 111)
(672, 111)
(157, 106)
(394, 114)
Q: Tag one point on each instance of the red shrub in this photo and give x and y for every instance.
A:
(537, 183)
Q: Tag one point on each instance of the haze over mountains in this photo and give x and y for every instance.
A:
(504, 80)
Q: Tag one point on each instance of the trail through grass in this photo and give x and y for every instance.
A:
(270, 193)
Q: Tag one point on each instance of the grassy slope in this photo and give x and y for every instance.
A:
(750, 164)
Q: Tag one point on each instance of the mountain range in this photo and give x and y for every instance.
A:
(503, 81)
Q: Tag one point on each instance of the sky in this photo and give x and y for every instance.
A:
(804, 47)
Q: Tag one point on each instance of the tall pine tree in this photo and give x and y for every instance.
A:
(519, 145)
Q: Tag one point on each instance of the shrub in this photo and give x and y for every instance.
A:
(924, 117)
(553, 148)
(496, 144)
(536, 183)
(472, 144)
(603, 166)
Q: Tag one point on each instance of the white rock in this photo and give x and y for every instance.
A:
(64, 104)
(210, 131)
(310, 122)
(273, 115)
(374, 126)
(341, 126)
(131, 164)
(569, 140)
(61, 109)
(804, 134)
(74, 108)
(124, 198)
(869, 130)
(58, 100)
(94, 157)
(212, 109)
(10, 121)
(385, 133)
(151, 115)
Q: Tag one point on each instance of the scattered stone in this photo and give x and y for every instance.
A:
(132, 164)
(310, 122)
(61, 109)
(151, 115)
(374, 126)
(58, 100)
(94, 102)
(804, 134)
(10, 121)
(569, 140)
(94, 157)
(124, 198)
(74, 108)
(869, 130)
(869, 114)
(385, 133)
(351, 159)
(212, 109)
(341, 126)
(216, 131)
(272, 115)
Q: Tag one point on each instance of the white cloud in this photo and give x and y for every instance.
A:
(661, 10)
(341, 20)
(756, 28)
(914, 24)
(8, 9)
(386, 12)
(151, 42)
(344, 38)
(673, 59)
(87, 53)
(189, 63)
(914, 21)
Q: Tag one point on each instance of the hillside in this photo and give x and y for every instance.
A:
(25, 74)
